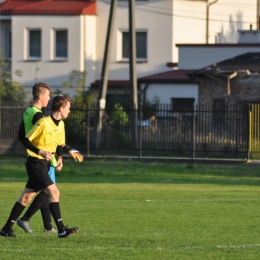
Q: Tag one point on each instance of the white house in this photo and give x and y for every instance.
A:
(47, 39)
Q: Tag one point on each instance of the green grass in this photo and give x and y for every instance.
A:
(142, 210)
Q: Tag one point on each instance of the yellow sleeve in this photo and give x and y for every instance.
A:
(36, 130)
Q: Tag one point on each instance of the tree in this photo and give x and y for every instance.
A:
(10, 91)
(83, 96)
(119, 119)
(82, 103)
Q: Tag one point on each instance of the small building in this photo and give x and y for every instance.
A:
(172, 87)
(233, 81)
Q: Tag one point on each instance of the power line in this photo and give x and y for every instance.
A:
(178, 15)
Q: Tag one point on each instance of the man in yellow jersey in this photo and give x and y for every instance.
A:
(41, 143)
(41, 97)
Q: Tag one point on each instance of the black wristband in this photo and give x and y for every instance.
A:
(67, 147)
(59, 150)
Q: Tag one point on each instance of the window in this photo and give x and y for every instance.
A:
(34, 44)
(183, 105)
(61, 44)
(141, 46)
(8, 44)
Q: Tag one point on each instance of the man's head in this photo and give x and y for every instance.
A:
(61, 104)
(41, 92)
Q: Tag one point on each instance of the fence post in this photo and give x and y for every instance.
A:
(193, 132)
(140, 129)
(249, 133)
(88, 122)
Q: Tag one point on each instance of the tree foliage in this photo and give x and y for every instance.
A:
(83, 96)
(119, 116)
(10, 91)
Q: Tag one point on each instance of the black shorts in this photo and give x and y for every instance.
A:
(37, 171)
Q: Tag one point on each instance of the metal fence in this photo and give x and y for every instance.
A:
(201, 132)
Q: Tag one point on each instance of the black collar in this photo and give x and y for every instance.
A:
(56, 122)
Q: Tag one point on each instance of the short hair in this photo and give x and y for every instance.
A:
(58, 102)
(38, 89)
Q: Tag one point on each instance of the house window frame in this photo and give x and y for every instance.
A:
(120, 56)
(29, 57)
(54, 56)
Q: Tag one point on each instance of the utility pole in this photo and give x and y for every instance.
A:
(132, 72)
(104, 74)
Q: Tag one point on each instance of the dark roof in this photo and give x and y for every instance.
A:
(111, 84)
(48, 7)
(172, 76)
(245, 62)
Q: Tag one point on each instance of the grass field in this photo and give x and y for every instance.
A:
(141, 210)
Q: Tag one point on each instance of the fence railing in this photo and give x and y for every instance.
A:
(201, 132)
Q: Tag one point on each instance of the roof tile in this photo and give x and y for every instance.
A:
(173, 76)
(48, 7)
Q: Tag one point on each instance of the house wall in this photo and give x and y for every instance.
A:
(196, 57)
(90, 48)
(242, 88)
(167, 91)
(228, 16)
(188, 24)
(47, 70)
(153, 16)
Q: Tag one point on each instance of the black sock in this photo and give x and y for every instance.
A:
(15, 213)
(46, 215)
(37, 203)
(55, 211)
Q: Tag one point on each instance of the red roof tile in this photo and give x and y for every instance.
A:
(173, 76)
(48, 7)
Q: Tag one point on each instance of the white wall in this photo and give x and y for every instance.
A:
(90, 48)
(189, 24)
(169, 23)
(151, 16)
(228, 16)
(167, 91)
(197, 57)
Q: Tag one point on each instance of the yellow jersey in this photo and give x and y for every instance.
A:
(46, 135)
